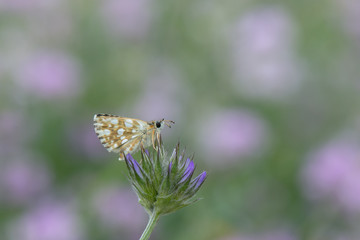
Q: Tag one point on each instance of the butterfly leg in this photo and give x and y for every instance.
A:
(158, 138)
(153, 139)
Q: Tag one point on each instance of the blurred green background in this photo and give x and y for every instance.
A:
(265, 93)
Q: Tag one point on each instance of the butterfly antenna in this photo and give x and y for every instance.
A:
(167, 122)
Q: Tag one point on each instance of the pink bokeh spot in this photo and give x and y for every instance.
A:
(264, 59)
(21, 6)
(50, 75)
(119, 208)
(231, 135)
(130, 18)
(350, 10)
(14, 132)
(333, 173)
(83, 140)
(50, 220)
(264, 29)
(23, 180)
(266, 235)
(153, 103)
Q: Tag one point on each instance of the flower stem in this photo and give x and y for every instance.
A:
(154, 217)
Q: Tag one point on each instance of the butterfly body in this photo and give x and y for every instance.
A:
(126, 135)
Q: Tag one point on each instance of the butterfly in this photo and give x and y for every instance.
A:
(126, 135)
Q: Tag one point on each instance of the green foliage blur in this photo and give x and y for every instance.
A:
(264, 93)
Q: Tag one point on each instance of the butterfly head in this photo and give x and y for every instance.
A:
(160, 124)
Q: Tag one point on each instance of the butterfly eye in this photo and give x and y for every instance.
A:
(158, 124)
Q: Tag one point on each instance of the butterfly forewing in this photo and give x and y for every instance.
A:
(120, 134)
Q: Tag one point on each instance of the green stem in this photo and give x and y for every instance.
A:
(154, 217)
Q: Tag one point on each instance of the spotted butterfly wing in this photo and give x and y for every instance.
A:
(120, 134)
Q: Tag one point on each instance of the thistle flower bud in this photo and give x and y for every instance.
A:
(163, 184)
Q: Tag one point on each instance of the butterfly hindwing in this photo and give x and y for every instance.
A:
(118, 134)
